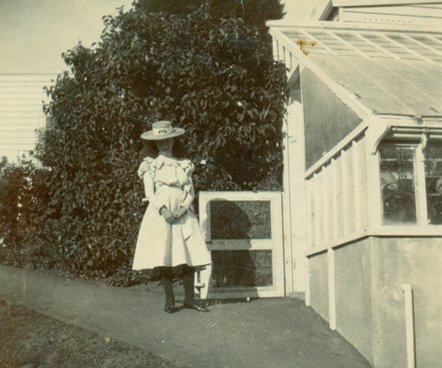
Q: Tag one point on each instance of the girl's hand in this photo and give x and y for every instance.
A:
(168, 216)
(180, 212)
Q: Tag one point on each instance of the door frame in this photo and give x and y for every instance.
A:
(276, 244)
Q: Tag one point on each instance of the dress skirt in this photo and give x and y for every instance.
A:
(161, 244)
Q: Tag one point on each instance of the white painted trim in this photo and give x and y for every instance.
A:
(351, 3)
(240, 244)
(275, 244)
(376, 133)
(283, 41)
(414, 121)
(331, 289)
(409, 325)
(310, 225)
(316, 191)
(373, 188)
(420, 188)
(400, 231)
(307, 294)
(27, 77)
(326, 11)
(321, 214)
(298, 223)
(288, 25)
(407, 230)
(326, 210)
(338, 242)
(335, 209)
(346, 200)
(243, 292)
(286, 212)
(357, 198)
(287, 244)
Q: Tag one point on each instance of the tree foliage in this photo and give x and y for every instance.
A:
(213, 76)
(24, 195)
(253, 12)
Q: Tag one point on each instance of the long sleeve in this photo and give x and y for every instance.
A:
(188, 199)
(149, 191)
(188, 169)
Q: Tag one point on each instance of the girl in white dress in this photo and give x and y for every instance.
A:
(170, 238)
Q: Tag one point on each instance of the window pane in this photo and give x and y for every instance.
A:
(433, 180)
(397, 183)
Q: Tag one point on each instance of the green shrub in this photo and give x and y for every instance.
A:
(24, 197)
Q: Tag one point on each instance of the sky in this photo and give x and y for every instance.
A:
(34, 33)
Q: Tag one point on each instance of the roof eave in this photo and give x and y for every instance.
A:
(285, 24)
(365, 3)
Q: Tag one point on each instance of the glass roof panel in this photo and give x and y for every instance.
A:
(370, 43)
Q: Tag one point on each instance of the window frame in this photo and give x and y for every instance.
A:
(419, 179)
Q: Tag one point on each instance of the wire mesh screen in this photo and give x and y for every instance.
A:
(242, 268)
(240, 219)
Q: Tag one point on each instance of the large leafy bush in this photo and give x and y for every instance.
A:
(215, 77)
(24, 196)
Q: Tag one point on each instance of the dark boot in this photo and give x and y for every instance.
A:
(189, 290)
(167, 282)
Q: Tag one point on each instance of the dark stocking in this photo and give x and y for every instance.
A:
(188, 281)
(167, 282)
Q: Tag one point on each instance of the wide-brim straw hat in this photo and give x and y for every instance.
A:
(162, 130)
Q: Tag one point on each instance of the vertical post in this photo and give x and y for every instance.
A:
(325, 185)
(356, 184)
(287, 205)
(421, 191)
(373, 187)
(331, 288)
(203, 280)
(334, 193)
(409, 325)
(310, 209)
(345, 184)
(307, 284)
(294, 203)
(317, 210)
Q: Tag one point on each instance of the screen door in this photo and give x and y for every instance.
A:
(243, 231)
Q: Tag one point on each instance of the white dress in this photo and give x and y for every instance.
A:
(168, 182)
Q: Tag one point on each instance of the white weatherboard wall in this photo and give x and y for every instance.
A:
(21, 112)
